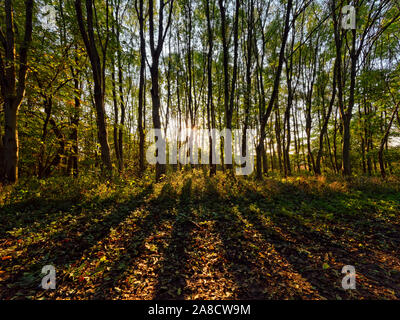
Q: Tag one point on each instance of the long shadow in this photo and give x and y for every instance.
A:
(364, 220)
(362, 216)
(254, 277)
(81, 235)
(299, 261)
(134, 242)
(34, 214)
(310, 239)
(243, 261)
(240, 262)
(286, 248)
(171, 283)
(343, 251)
(303, 237)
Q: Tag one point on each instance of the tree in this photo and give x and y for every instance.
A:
(155, 50)
(141, 17)
(98, 71)
(13, 82)
(275, 90)
(210, 103)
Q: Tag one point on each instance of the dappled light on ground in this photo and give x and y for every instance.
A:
(194, 237)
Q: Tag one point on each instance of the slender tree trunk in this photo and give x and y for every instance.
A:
(73, 160)
(116, 116)
(248, 81)
(278, 138)
(384, 142)
(10, 149)
(229, 95)
(13, 88)
(210, 104)
(275, 90)
(121, 98)
(98, 69)
(141, 97)
(326, 121)
(154, 68)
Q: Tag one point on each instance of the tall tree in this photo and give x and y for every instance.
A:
(210, 103)
(229, 93)
(156, 47)
(275, 90)
(98, 70)
(13, 72)
(363, 44)
(141, 94)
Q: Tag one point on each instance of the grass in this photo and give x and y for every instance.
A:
(195, 237)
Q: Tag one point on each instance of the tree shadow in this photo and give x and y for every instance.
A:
(34, 214)
(134, 246)
(171, 282)
(311, 251)
(257, 276)
(66, 245)
(271, 247)
(135, 230)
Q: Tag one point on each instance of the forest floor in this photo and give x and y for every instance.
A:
(194, 237)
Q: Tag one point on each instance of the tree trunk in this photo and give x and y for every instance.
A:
(324, 128)
(116, 116)
(98, 70)
(155, 54)
(275, 90)
(13, 88)
(210, 104)
(10, 155)
(384, 142)
(141, 97)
